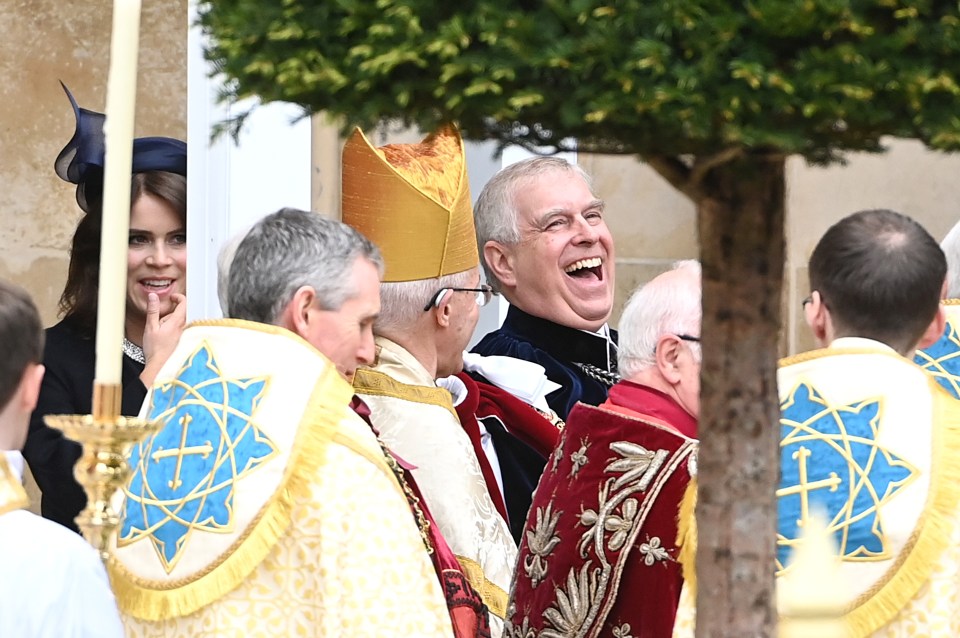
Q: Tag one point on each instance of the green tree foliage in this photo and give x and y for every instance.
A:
(670, 77)
(712, 94)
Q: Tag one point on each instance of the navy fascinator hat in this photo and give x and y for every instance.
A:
(81, 160)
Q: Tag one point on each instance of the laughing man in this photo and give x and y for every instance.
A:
(547, 249)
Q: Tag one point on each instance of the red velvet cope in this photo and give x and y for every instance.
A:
(604, 522)
(521, 419)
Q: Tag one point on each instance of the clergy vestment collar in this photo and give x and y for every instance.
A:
(860, 343)
(396, 361)
(563, 342)
(655, 404)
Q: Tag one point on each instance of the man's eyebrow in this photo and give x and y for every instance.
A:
(597, 203)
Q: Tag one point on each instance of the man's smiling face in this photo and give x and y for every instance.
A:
(563, 267)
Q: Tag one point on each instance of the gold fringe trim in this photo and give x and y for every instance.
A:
(373, 383)
(493, 597)
(933, 532)
(687, 536)
(154, 600)
(12, 495)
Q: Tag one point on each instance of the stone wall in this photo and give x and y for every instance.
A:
(45, 41)
(654, 225)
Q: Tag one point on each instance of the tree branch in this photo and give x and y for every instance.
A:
(674, 171)
(703, 165)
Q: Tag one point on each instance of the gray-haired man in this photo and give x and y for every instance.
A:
(547, 249)
(265, 503)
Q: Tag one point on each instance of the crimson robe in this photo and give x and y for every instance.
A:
(598, 557)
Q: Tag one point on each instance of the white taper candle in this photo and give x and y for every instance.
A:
(118, 132)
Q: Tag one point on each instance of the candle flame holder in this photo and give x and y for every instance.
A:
(102, 469)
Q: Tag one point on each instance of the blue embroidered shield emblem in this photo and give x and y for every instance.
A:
(831, 462)
(942, 359)
(184, 475)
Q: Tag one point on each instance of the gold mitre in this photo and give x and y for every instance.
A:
(413, 201)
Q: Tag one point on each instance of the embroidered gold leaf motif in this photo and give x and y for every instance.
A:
(579, 458)
(652, 551)
(569, 613)
(623, 631)
(541, 541)
(637, 462)
(620, 525)
(589, 519)
(514, 631)
(558, 454)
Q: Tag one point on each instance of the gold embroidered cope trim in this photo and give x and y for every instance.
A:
(624, 501)
(494, 597)
(374, 383)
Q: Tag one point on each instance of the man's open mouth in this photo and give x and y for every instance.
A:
(586, 268)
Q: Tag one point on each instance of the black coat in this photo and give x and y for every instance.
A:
(69, 358)
(562, 351)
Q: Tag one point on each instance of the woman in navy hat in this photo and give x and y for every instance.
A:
(156, 305)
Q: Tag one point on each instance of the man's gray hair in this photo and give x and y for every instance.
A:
(290, 249)
(495, 214)
(951, 248)
(656, 309)
(402, 302)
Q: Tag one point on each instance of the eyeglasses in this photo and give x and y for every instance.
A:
(483, 295)
(690, 338)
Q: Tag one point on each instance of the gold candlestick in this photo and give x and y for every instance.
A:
(102, 469)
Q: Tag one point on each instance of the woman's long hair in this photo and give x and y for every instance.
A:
(78, 302)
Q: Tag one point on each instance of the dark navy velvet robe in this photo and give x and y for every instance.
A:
(559, 350)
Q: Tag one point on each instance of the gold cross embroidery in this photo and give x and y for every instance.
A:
(804, 487)
(204, 450)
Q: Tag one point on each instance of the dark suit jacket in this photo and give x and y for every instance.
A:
(559, 350)
(69, 357)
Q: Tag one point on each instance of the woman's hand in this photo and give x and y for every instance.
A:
(161, 334)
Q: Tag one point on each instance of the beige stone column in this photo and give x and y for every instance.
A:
(325, 148)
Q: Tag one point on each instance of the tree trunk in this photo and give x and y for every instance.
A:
(741, 220)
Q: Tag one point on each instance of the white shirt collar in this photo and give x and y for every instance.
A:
(15, 461)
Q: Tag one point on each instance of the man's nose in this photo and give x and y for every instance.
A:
(587, 233)
(367, 351)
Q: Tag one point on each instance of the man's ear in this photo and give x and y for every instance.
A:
(30, 386)
(296, 314)
(818, 317)
(668, 351)
(499, 259)
(935, 330)
(442, 312)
